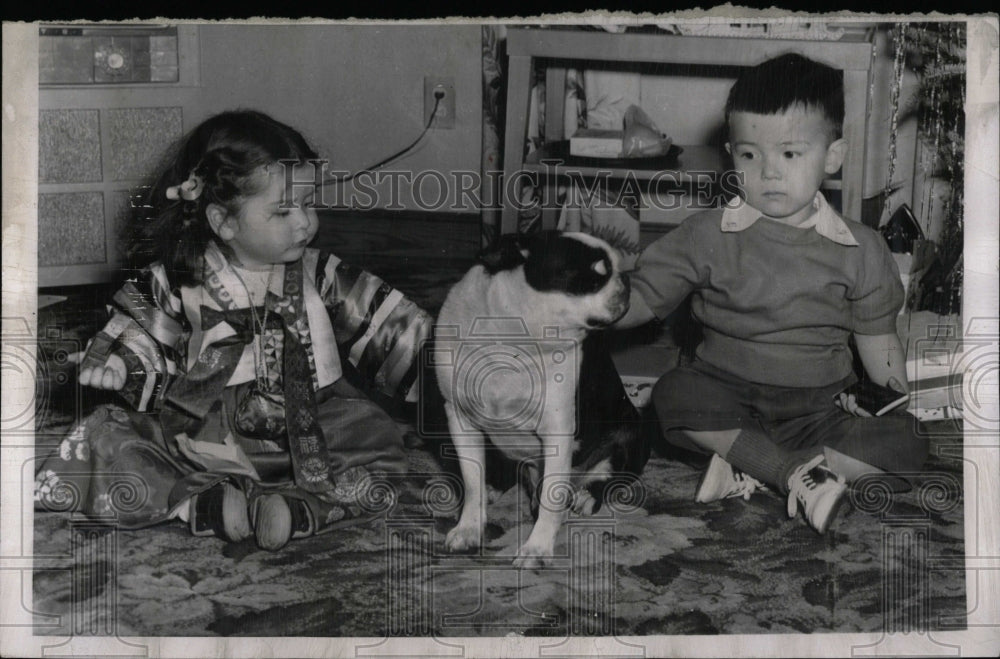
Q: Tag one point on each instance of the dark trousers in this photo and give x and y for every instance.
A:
(700, 396)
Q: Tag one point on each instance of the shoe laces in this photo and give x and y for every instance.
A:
(745, 485)
(801, 483)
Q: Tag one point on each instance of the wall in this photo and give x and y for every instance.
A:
(355, 92)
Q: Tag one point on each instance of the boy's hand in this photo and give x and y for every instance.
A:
(110, 375)
(896, 385)
(638, 313)
(848, 403)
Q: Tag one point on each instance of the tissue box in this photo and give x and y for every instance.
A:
(596, 143)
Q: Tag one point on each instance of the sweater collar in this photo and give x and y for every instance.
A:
(824, 220)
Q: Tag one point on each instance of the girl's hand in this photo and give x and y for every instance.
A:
(848, 403)
(111, 375)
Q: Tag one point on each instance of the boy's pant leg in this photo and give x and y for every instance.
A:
(688, 398)
(700, 397)
(894, 443)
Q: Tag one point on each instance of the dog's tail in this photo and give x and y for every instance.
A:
(619, 464)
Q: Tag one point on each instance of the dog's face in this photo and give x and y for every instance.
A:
(575, 275)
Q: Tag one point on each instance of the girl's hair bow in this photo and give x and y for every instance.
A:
(189, 190)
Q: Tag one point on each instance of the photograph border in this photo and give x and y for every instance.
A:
(982, 450)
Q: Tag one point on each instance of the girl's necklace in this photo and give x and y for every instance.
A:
(259, 324)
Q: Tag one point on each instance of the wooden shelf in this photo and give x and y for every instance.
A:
(679, 169)
(843, 53)
(555, 160)
(558, 49)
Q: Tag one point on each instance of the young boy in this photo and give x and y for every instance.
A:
(780, 282)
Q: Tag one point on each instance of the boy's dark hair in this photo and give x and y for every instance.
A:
(780, 83)
(226, 152)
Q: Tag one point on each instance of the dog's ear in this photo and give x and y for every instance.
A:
(509, 251)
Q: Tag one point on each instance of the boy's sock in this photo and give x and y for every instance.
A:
(755, 454)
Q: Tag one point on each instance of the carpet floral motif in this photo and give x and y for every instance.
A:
(670, 566)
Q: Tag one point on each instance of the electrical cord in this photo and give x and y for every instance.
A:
(438, 95)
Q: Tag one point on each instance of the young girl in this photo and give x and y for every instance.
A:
(240, 420)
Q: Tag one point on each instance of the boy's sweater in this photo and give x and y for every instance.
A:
(778, 303)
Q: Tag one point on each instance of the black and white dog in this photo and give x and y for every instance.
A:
(516, 361)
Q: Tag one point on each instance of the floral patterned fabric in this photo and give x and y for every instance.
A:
(178, 433)
(111, 464)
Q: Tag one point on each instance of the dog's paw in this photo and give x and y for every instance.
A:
(584, 502)
(463, 538)
(531, 557)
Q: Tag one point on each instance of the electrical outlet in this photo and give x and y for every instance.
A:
(445, 88)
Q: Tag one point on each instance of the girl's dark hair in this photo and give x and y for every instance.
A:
(225, 152)
(780, 83)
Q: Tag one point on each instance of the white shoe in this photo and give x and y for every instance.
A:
(819, 490)
(721, 480)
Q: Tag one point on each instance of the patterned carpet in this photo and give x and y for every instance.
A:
(667, 566)
(670, 566)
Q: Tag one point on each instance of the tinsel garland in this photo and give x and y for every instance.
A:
(898, 68)
(936, 51)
